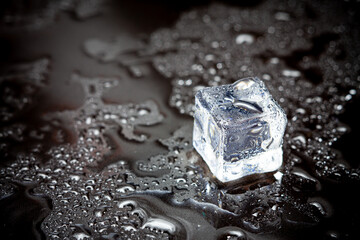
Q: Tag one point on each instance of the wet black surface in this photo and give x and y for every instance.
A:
(96, 127)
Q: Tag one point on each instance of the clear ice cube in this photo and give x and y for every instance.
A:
(238, 129)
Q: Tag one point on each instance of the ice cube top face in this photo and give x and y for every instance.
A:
(238, 129)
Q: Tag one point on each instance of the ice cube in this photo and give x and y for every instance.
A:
(238, 129)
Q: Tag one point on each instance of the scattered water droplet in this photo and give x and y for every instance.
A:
(244, 38)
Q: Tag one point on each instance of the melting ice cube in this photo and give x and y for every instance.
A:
(238, 129)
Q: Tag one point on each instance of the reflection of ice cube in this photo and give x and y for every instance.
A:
(238, 129)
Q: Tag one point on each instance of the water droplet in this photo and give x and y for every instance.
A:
(243, 84)
(291, 73)
(282, 16)
(127, 203)
(81, 236)
(160, 224)
(143, 111)
(247, 106)
(300, 138)
(244, 38)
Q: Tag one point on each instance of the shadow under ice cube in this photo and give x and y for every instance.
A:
(238, 129)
